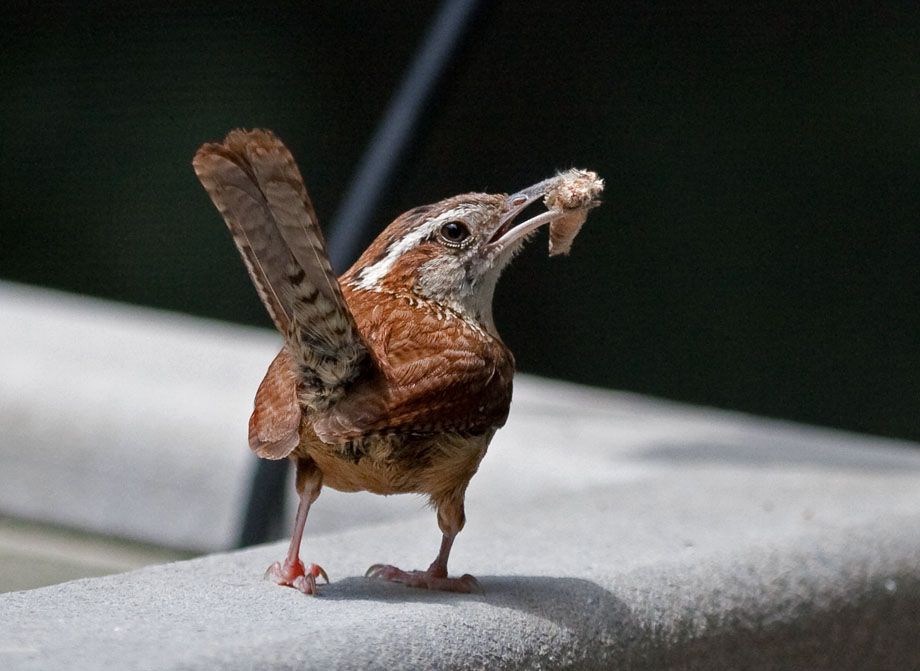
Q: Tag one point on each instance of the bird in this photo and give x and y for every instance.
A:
(392, 378)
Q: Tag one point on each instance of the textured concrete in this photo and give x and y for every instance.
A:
(741, 553)
(608, 530)
(99, 404)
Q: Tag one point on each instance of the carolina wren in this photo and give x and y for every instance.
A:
(392, 379)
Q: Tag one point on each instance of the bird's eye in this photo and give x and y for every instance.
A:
(454, 233)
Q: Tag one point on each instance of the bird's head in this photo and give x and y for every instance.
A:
(453, 252)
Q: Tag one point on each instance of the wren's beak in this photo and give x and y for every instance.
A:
(508, 232)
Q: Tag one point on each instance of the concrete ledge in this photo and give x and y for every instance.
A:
(697, 570)
(609, 531)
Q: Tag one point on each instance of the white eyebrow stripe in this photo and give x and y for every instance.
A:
(371, 275)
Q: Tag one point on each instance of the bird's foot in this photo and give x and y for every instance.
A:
(294, 574)
(426, 579)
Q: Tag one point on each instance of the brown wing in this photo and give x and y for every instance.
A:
(433, 374)
(253, 180)
(274, 428)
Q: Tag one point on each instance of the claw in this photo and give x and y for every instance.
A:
(296, 575)
(305, 583)
(426, 579)
(318, 571)
(474, 585)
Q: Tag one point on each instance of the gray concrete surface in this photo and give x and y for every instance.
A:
(608, 530)
(122, 420)
(744, 552)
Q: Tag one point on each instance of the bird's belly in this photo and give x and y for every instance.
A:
(438, 465)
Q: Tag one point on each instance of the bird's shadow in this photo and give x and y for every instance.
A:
(496, 590)
(598, 629)
(572, 603)
(593, 625)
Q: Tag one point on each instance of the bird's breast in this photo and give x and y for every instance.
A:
(437, 465)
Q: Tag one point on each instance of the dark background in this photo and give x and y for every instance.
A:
(758, 246)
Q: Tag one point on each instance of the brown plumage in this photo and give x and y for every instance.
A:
(392, 379)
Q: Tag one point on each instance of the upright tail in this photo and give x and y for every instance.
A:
(254, 182)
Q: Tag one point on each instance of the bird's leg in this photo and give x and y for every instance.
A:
(451, 519)
(292, 571)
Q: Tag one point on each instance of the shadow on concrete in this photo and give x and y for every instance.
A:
(594, 625)
(593, 628)
(538, 595)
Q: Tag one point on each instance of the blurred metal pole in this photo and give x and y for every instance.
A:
(392, 137)
(354, 216)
